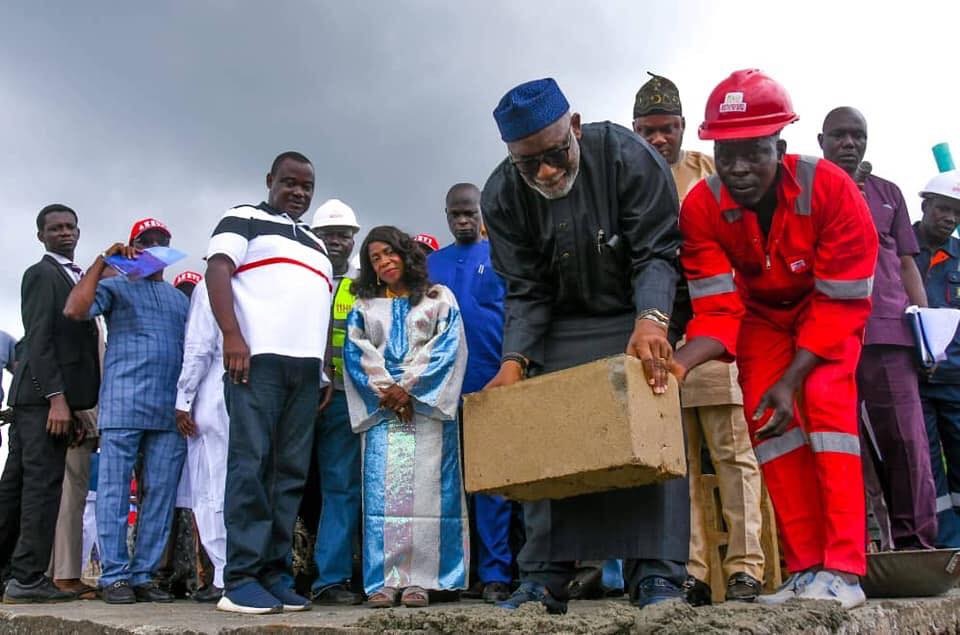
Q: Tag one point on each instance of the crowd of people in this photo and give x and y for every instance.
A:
(297, 383)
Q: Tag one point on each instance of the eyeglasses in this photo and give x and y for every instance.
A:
(554, 157)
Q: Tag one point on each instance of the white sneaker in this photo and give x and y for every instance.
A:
(830, 586)
(789, 590)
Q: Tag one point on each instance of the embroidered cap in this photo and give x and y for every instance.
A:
(529, 108)
(659, 96)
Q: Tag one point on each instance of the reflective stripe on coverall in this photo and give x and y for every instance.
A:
(806, 285)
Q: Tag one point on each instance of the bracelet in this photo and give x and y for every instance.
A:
(518, 358)
(657, 316)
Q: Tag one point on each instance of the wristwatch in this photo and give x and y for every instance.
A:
(657, 316)
(518, 358)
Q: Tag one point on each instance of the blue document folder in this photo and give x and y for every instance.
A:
(146, 263)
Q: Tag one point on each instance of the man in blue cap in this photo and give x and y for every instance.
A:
(583, 228)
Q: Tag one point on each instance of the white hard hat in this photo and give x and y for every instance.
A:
(944, 184)
(334, 213)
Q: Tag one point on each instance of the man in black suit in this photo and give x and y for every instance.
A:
(58, 373)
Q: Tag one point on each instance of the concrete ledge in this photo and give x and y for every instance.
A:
(926, 615)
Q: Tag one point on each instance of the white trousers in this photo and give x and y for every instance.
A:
(207, 467)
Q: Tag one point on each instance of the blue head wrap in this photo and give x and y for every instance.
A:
(529, 108)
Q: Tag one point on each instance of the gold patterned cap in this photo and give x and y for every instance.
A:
(659, 96)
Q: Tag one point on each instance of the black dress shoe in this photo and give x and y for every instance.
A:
(495, 592)
(118, 593)
(208, 593)
(742, 587)
(336, 594)
(698, 593)
(40, 592)
(655, 589)
(587, 584)
(150, 592)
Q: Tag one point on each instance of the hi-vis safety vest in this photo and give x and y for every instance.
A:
(342, 303)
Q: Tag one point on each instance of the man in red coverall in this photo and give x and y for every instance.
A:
(779, 251)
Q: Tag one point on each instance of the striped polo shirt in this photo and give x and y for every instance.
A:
(282, 287)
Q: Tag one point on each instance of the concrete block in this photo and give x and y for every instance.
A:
(586, 429)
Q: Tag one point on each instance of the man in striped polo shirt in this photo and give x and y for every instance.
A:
(269, 282)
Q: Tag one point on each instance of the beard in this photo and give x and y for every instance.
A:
(558, 191)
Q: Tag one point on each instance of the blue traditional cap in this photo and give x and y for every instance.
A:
(529, 108)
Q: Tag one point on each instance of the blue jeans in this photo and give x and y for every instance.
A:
(338, 465)
(163, 455)
(271, 437)
(612, 579)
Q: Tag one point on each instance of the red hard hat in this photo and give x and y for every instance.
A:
(746, 105)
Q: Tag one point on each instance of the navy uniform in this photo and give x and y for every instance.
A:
(940, 389)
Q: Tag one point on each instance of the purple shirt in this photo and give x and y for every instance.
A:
(887, 324)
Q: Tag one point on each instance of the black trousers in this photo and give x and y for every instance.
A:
(30, 494)
(272, 424)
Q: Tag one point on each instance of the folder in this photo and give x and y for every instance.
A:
(933, 331)
(147, 262)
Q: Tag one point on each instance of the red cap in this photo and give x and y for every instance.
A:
(187, 276)
(427, 239)
(746, 105)
(146, 225)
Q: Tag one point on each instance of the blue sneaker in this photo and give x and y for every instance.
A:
(290, 599)
(251, 599)
(533, 592)
(654, 590)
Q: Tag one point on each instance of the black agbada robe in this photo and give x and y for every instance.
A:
(578, 270)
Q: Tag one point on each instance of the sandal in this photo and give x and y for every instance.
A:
(384, 598)
(414, 597)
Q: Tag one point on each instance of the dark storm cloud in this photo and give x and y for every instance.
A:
(175, 109)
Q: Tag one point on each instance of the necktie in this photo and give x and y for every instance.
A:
(75, 269)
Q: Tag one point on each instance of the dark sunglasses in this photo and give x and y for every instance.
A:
(554, 157)
(162, 241)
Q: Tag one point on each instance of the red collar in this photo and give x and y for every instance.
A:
(788, 189)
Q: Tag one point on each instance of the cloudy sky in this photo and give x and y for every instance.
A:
(175, 109)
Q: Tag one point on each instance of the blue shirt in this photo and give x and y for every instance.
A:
(466, 270)
(7, 354)
(941, 279)
(146, 320)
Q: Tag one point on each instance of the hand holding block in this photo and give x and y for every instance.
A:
(586, 429)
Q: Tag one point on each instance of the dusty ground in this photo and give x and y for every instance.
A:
(933, 615)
